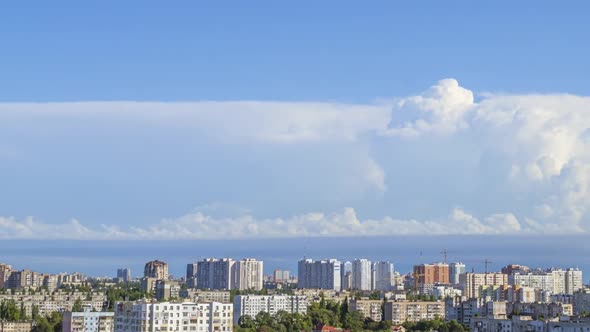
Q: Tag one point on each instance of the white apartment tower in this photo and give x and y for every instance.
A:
(248, 274)
(383, 274)
(455, 270)
(361, 274)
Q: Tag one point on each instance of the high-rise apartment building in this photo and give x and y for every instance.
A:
(554, 281)
(124, 275)
(322, 274)
(383, 274)
(471, 282)
(281, 275)
(191, 275)
(5, 271)
(249, 274)
(24, 279)
(430, 274)
(361, 274)
(213, 273)
(455, 270)
(156, 269)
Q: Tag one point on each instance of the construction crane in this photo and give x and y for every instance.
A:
(486, 262)
(416, 277)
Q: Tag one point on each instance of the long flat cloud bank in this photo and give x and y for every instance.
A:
(445, 161)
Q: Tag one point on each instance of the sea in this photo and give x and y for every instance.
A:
(103, 258)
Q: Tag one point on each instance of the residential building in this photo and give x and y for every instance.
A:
(361, 274)
(213, 273)
(321, 274)
(471, 282)
(191, 275)
(205, 296)
(383, 276)
(455, 270)
(281, 276)
(249, 274)
(156, 269)
(167, 290)
(16, 326)
(430, 274)
(167, 316)
(251, 305)
(24, 279)
(88, 321)
(406, 311)
(124, 275)
(368, 308)
(5, 271)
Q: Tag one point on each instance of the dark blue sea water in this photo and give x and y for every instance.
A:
(102, 258)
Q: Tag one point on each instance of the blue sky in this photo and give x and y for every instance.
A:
(143, 119)
(310, 50)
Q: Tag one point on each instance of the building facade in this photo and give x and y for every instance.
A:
(213, 273)
(362, 274)
(249, 274)
(156, 269)
(406, 311)
(177, 317)
(88, 321)
(322, 274)
(251, 305)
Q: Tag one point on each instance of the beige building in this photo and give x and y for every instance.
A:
(472, 282)
(405, 311)
(368, 308)
(9, 326)
(203, 296)
(156, 269)
(5, 271)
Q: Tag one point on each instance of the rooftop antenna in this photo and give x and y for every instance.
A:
(445, 254)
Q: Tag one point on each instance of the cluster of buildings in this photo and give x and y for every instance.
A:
(19, 279)
(360, 274)
(516, 298)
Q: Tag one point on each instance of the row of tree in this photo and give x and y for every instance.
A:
(325, 312)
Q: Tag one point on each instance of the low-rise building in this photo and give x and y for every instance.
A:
(167, 316)
(251, 305)
(88, 321)
(19, 326)
(406, 311)
(372, 309)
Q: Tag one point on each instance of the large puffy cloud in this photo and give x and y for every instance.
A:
(502, 164)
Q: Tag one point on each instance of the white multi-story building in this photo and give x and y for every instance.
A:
(176, 317)
(215, 273)
(248, 274)
(251, 305)
(455, 270)
(383, 276)
(361, 274)
(554, 281)
(88, 321)
(323, 274)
